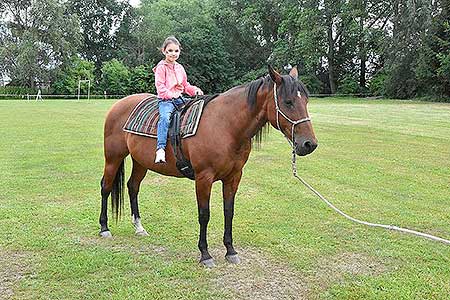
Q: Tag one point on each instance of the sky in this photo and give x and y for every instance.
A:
(135, 2)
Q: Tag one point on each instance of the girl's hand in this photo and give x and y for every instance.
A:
(199, 92)
(179, 87)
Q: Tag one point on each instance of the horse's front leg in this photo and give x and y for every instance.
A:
(203, 191)
(229, 190)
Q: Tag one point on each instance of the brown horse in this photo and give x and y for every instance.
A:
(218, 151)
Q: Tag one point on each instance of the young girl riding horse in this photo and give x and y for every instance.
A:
(171, 82)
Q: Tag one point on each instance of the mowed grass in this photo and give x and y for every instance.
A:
(378, 160)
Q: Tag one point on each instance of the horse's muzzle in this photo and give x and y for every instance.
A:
(305, 147)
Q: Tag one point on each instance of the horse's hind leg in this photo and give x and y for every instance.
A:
(137, 174)
(106, 184)
(229, 190)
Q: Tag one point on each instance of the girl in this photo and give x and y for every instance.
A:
(171, 82)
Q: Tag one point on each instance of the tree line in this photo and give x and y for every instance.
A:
(397, 48)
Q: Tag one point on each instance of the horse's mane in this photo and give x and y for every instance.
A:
(253, 88)
(290, 87)
(206, 98)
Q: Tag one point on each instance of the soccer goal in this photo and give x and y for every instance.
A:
(84, 82)
(39, 96)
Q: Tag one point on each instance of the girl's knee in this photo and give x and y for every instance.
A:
(164, 118)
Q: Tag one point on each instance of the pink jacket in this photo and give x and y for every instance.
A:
(171, 81)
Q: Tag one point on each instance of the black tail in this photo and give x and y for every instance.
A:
(117, 192)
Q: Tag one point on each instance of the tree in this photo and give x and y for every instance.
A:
(433, 64)
(36, 38)
(203, 53)
(250, 31)
(115, 77)
(373, 17)
(411, 19)
(69, 76)
(142, 80)
(99, 20)
(130, 49)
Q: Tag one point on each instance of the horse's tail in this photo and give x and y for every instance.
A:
(117, 191)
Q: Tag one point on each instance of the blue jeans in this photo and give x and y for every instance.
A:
(166, 108)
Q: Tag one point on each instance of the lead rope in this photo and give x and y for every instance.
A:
(294, 171)
(390, 227)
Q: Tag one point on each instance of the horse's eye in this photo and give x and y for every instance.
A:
(289, 102)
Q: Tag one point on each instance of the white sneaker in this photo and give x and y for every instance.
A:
(160, 156)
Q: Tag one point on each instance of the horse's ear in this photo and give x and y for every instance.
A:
(276, 77)
(294, 72)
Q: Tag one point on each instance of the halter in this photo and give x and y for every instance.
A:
(279, 112)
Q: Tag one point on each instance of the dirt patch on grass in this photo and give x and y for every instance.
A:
(352, 263)
(123, 245)
(156, 180)
(260, 276)
(13, 267)
(335, 269)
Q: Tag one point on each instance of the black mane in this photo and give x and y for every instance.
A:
(290, 87)
(253, 88)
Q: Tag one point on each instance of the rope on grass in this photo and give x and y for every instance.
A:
(390, 227)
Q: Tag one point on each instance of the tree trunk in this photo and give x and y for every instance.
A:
(362, 75)
(396, 19)
(362, 46)
(330, 56)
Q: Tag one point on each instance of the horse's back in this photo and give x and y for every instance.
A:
(119, 112)
(115, 144)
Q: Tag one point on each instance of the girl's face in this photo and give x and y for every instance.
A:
(172, 52)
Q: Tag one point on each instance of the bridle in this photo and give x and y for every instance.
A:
(279, 112)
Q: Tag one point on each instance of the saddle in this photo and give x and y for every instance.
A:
(143, 120)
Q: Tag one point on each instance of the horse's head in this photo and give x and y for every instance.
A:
(288, 112)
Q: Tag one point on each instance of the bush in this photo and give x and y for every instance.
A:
(348, 85)
(377, 84)
(142, 80)
(115, 78)
(250, 76)
(69, 76)
(16, 90)
(312, 83)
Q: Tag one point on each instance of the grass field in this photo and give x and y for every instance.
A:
(378, 160)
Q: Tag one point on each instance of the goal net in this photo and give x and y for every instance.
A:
(84, 85)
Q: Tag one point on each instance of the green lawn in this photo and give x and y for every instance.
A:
(378, 160)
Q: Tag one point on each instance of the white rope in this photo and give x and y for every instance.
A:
(294, 171)
(390, 227)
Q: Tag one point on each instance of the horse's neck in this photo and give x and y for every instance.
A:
(258, 115)
(247, 121)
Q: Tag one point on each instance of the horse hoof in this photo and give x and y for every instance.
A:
(106, 234)
(208, 263)
(142, 233)
(233, 259)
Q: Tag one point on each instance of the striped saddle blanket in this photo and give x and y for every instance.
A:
(143, 120)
